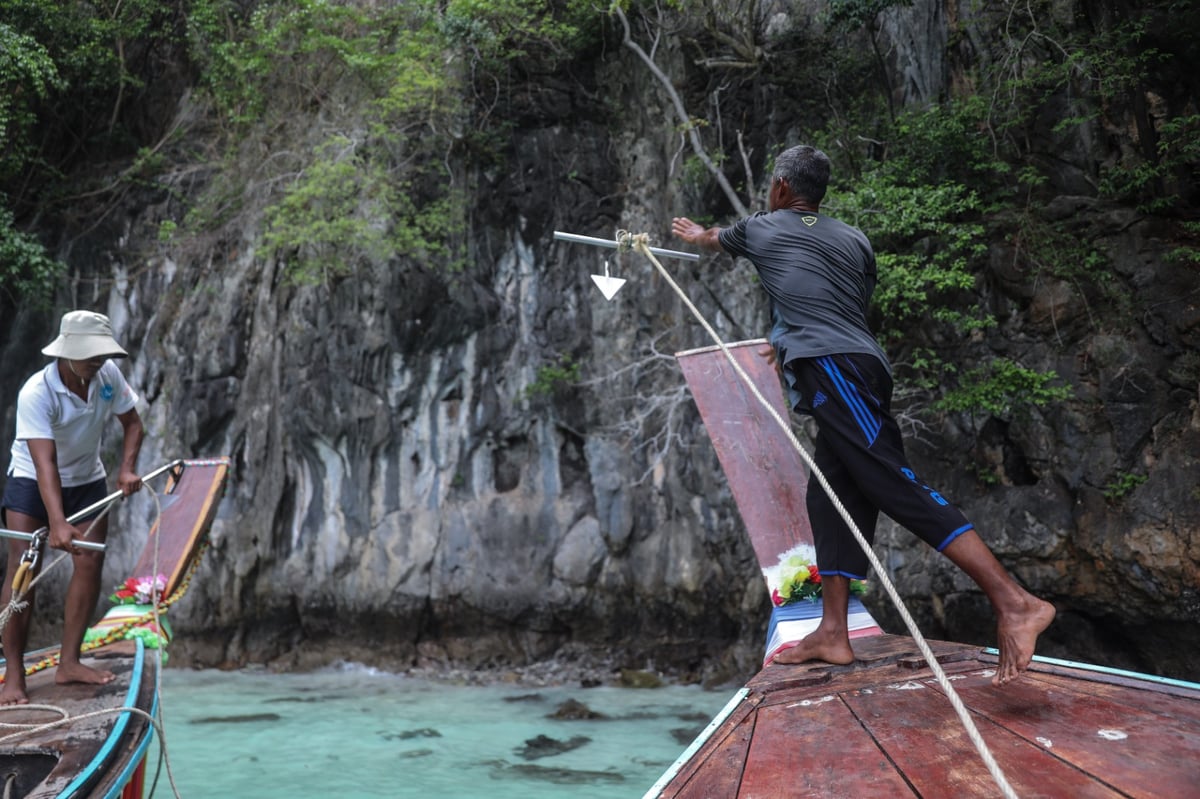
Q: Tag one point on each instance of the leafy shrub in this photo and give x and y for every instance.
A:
(1122, 485)
(1002, 388)
(554, 378)
(27, 273)
(924, 238)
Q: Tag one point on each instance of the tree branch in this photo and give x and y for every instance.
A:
(689, 127)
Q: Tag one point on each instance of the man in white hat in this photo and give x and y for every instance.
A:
(56, 471)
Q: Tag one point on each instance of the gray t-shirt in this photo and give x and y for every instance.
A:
(819, 274)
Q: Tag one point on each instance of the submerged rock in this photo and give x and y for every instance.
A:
(558, 776)
(574, 710)
(244, 719)
(638, 678)
(407, 735)
(415, 753)
(545, 746)
(685, 735)
(524, 698)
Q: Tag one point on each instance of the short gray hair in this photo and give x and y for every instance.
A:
(806, 170)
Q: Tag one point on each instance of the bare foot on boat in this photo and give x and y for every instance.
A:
(828, 648)
(13, 692)
(77, 672)
(1016, 635)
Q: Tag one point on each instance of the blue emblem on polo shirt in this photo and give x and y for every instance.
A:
(106, 392)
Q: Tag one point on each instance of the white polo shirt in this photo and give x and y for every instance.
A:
(48, 409)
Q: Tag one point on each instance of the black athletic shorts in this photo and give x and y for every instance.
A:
(21, 494)
(860, 451)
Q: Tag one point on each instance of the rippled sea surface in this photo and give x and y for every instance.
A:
(354, 732)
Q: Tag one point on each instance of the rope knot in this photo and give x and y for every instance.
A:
(627, 241)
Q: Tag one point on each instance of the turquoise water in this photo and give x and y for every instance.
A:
(353, 732)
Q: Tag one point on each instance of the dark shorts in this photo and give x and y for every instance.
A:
(21, 495)
(860, 451)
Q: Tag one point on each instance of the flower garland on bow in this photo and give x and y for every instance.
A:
(796, 577)
(139, 590)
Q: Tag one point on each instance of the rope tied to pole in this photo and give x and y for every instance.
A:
(626, 241)
(640, 242)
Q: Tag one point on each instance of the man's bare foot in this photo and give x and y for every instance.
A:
(1016, 635)
(13, 692)
(77, 672)
(829, 648)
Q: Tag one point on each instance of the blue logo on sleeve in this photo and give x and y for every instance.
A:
(106, 392)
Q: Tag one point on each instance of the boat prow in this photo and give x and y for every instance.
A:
(885, 726)
(84, 740)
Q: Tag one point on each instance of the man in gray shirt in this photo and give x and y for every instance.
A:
(819, 274)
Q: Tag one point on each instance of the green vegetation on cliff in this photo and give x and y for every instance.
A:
(356, 132)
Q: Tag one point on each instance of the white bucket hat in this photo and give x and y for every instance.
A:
(84, 335)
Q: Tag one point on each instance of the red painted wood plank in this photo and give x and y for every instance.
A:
(186, 516)
(815, 747)
(722, 772)
(720, 759)
(777, 677)
(1178, 703)
(918, 728)
(766, 475)
(1097, 734)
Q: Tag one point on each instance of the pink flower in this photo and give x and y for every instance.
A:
(139, 591)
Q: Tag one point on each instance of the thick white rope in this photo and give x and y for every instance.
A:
(641, 243)
(69, 719)
(30, 729)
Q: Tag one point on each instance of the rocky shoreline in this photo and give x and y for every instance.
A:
(571, 666)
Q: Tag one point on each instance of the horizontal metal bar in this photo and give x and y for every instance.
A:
(90, 509)
(95, 546)
(114, 496)
(612, 245)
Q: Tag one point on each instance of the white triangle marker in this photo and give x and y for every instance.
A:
(609, 286)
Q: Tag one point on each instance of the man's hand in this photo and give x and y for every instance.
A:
(129, 482)
(769, 353)
(686, 229)
(62, 534)
(694, 233)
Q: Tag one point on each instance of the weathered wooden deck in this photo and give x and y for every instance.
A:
(882, 727)
(80, 757)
